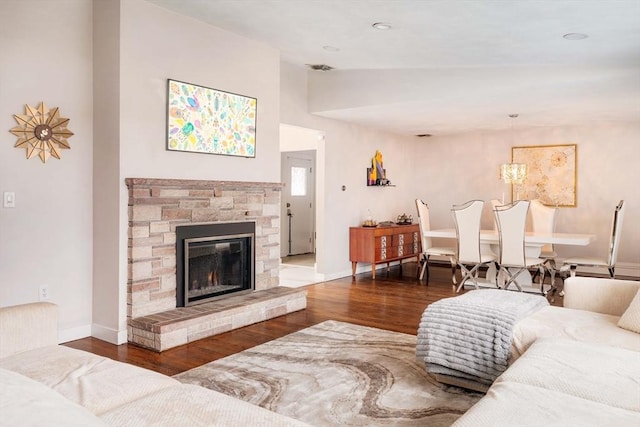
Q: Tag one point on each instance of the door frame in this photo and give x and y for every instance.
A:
(307, 155)
(296, 138)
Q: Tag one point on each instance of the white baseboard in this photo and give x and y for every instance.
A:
(110, 335)
(75, 333)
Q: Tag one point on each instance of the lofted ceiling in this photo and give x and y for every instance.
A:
(450, 66)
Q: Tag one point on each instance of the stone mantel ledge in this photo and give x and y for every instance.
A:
(198, 183)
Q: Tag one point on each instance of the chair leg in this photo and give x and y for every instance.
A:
(463, 273)
(511, 278)
(541, 269)
(534, 276)
(468, 275)
(497, 278)
(423, 267)
(612, 272)
(426, 268)
(453, 271)
(552, 274)
(552, 271)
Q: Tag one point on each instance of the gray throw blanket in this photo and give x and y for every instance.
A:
(469, 336)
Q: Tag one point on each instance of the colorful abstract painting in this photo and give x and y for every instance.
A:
(204, 120)
(551, 173)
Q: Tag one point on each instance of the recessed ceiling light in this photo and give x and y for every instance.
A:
(575, 36)
(381, 26)
(331, 48)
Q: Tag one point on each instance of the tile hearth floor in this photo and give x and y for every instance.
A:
(299, 270)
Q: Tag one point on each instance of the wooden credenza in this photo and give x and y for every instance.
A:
(383, 244)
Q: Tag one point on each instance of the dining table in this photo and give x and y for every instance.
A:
(534, 241)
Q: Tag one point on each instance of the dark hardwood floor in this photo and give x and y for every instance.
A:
(394, 301)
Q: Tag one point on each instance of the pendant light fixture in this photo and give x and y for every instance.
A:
(513, 173)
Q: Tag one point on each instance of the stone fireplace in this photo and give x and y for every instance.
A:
(160, 210)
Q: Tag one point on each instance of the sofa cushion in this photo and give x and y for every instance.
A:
(97, 383)
(579, 325)
(193, 406)
(509, 404)
(606, 296)
(601, 373)
(27, 403)
(563, 382)
(630, 319)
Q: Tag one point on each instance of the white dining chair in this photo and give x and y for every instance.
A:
(543, 220)
(495, 203)
(428, 249)
(513, 260)
(612, 256)
(468, 253)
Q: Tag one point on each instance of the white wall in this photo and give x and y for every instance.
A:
(463, 167)
(448, 170)
(346, 154)
(109, 305)
(156, 45)
(47, 238)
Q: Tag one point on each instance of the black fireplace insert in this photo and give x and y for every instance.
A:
(214, 260)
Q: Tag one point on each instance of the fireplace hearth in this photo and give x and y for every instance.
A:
(214, 261)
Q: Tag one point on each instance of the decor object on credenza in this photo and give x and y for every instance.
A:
(551, 173)
(42, 131)
(377, 174)
(204, 120)
(404, 219)
(368, 220)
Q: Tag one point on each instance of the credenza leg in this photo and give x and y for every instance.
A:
(373, 271)
(353, 268)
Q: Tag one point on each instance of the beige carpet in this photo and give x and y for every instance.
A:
(334, 374)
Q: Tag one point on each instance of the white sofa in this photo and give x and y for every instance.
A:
(572, 365)
(45, 384)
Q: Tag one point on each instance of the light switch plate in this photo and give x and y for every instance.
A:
(9, 199)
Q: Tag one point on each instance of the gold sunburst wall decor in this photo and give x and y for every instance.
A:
(42, 132)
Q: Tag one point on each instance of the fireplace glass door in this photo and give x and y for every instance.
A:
(215, 266)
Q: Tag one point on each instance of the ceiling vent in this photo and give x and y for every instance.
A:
(320, 67)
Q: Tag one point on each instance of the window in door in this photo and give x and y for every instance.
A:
(298, 181)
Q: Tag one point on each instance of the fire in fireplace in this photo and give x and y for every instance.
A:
(214, 260)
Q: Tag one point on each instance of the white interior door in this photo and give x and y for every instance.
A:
(298, 203)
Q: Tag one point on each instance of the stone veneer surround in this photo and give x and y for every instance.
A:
(156, 208)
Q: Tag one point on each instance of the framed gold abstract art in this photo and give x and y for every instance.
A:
(551, 174)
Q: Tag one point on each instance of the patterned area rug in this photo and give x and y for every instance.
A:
(334, 374)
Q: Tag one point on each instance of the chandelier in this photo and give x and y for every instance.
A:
(513, 173)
